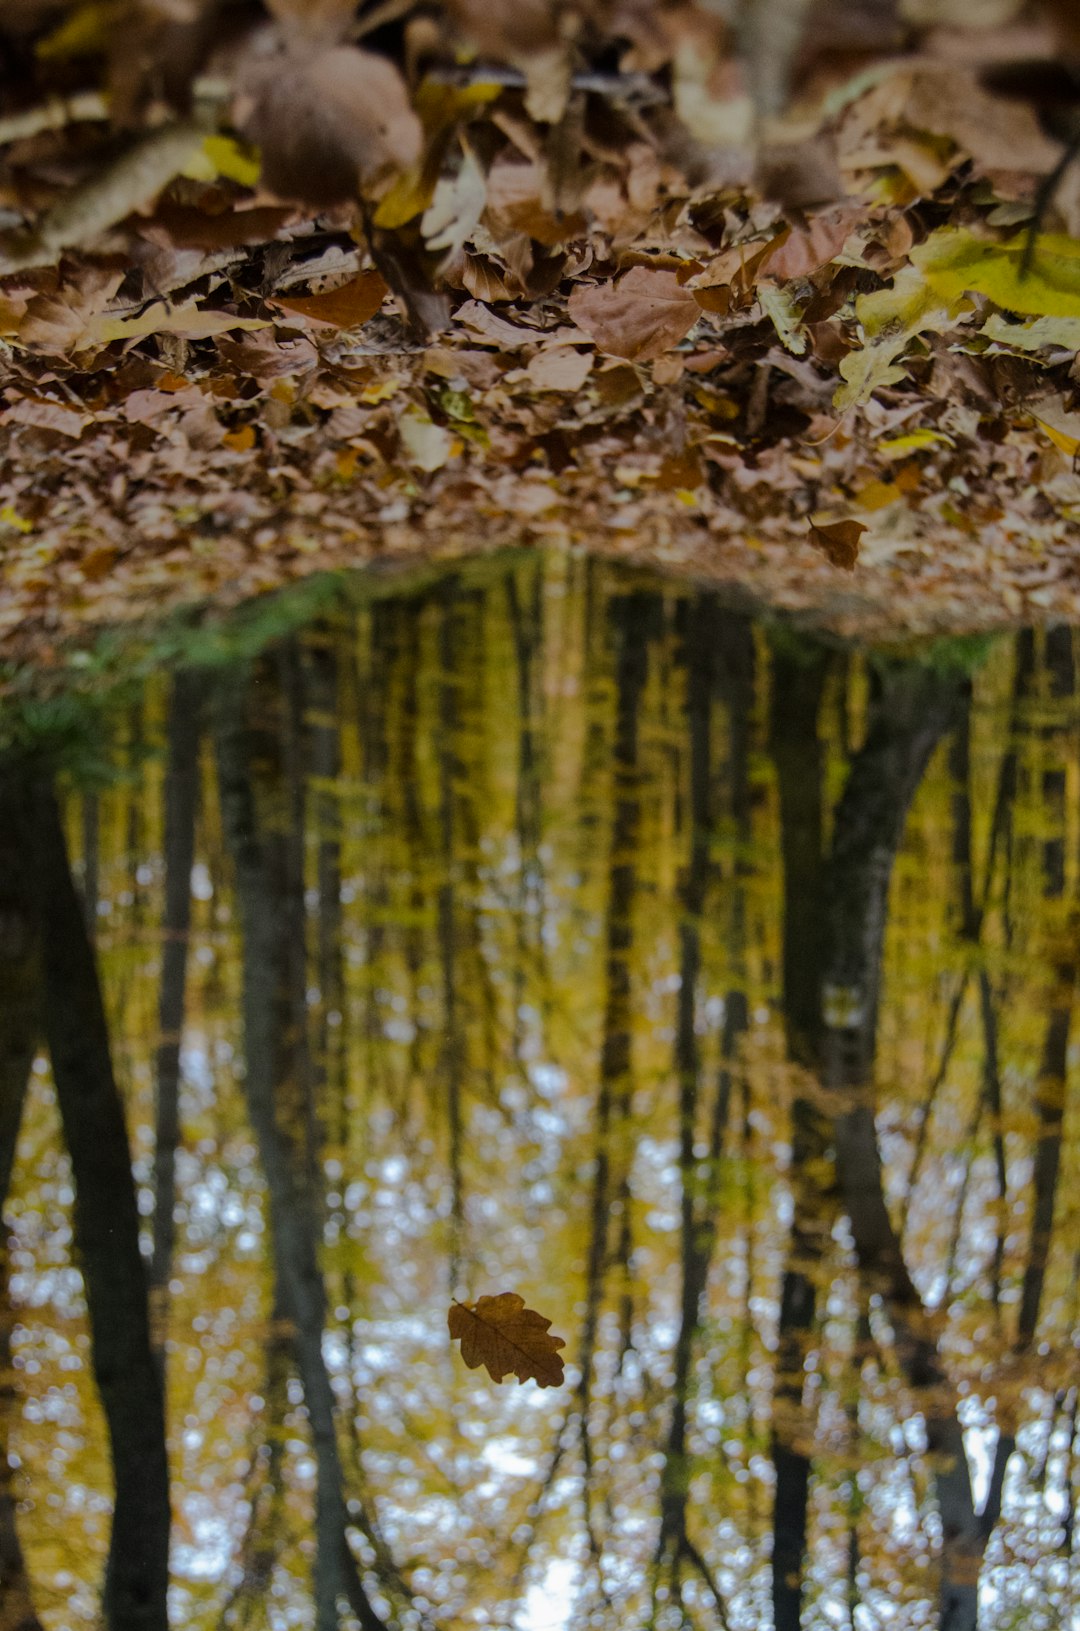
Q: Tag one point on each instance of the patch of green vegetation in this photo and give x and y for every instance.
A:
(64, 713)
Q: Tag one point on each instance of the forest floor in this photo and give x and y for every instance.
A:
(774, 302)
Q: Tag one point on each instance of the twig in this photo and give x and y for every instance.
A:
(58, 111)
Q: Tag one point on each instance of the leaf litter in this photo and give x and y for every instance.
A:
(287, 288)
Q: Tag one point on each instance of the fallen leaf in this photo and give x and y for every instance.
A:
(348, 306)
(561, 368)
(915, 441)
(510, 1339)
(1062, 427)
(427, 444)
(240, 441)
(60, 320)
(839, 540)
(46, 414)
(955, 262)
(891, 319)
(456, 206)
(641, 315)
(188, 228)
(189, 321)
(806, 249)
(1062, 333)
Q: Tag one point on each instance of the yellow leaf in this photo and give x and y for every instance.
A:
(242, 440)
(190, 321)
(440, 108)
(955, 262)
(380, 390)
(898, 447)
(1062, 427)
(234, 160)
(1061, 333)
(877, 495)
(86, 31)
(891, 319)
(11, 518)
(510, 1339)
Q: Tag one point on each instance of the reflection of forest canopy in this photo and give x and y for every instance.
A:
(497, 888)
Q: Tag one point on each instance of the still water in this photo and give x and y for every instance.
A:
(544, 930)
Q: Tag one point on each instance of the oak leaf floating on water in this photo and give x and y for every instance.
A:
(839, 540)
(510, 1339)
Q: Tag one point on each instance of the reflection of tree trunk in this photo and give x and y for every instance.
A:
(264, 1535)
(1053, 1066)
(20, 1021)
(91, 852)
(106, 1239)
(329, 1085)
(1050, 1090)
(633, 619)
(700, 1180)
(910, 709)
(181, 797)
(255, 804)
(451, 773)
(377, 683)
(798, 678)
(526, 621)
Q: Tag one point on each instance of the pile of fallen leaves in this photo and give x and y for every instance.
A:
(765, 291)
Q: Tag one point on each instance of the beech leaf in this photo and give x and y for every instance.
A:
(640, 316)
(510, 1339)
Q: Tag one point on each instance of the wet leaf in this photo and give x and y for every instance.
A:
(510, 1339)
(839, 540)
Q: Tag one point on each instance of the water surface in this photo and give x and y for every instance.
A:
(552, 931)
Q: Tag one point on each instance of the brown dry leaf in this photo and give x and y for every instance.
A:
(348, 306)
(560, 368)
(808, 248)
(510, 1339)
(330, 123)
(185, 227)
(319, 19)
(520, 198)
(484, 279)
(638, 317)
(59, 320)
(839, 540)
(735, 271)
(44, 413)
